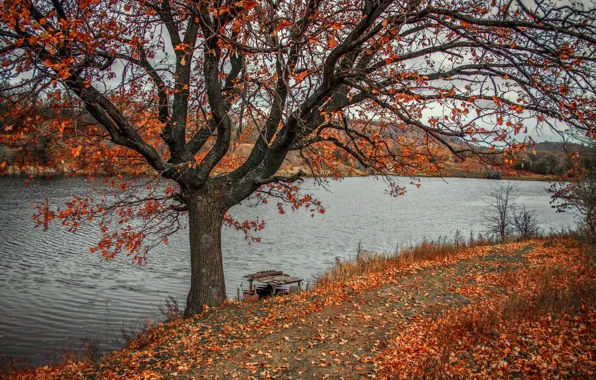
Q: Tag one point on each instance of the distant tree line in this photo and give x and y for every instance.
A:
(544, 163)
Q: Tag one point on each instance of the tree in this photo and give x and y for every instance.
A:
(578, 193)
(500, 209)
(504, 217)
(175, 86)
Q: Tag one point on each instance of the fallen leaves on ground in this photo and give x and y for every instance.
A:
(518, 309)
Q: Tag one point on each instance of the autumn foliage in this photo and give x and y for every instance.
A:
(173, 88)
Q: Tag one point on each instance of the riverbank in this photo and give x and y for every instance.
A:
(551, 158)
(519, 309)
(505, 173)
(445, 166)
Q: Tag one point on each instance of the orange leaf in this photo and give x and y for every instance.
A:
(300, 77)
(219, 11)
(61, 127)
(249, 4)
(64, 73)
(332, 43)
(76, 151)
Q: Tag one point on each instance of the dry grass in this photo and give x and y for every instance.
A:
(87, 352)
(367, 262)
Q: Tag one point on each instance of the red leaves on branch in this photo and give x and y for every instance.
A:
(248, 227)
(130, 222)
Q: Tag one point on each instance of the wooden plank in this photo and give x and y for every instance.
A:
(279, 280)
(268, 273)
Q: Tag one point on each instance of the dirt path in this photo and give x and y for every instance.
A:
(340, 341)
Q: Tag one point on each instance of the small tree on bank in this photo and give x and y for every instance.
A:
(578, 195)
(213, 96)
(578, 192)
(499, 211)
(504, 217)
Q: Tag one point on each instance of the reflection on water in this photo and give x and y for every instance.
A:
(53, 292)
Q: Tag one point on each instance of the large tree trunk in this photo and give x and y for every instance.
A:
(207, 285)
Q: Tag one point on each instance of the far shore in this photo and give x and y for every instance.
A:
(45, 172)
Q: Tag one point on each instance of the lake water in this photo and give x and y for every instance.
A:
(54, 293)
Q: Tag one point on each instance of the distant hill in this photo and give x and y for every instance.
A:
(558, 147)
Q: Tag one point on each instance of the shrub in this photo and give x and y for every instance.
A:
(5, 154)
(525, 223)
(493, 174)
(170, 310)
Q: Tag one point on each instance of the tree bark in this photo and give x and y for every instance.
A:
(207, 285)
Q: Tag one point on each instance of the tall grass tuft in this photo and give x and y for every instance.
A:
(368, 262)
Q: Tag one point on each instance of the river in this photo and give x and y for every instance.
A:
(54, 293)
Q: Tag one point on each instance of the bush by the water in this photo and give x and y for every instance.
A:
(493, 174)
(5, 154)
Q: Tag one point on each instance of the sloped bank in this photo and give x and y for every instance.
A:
(519, 309)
